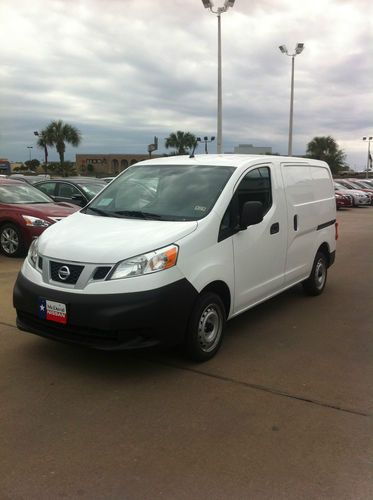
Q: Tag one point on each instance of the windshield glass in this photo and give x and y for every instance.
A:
(91, 188)
(164, 192)
(22, 193)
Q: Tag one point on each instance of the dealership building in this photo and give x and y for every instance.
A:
(107, 164)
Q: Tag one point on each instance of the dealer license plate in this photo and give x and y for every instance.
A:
(52, 311)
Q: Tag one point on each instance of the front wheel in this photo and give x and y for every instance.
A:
(11, 241)
(315, 284)
(206, 327)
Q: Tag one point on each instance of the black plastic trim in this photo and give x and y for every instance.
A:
(109, 321)
(326, 224)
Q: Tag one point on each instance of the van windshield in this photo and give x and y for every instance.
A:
(162, 192)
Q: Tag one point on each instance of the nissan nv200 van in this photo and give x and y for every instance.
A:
(174, 247)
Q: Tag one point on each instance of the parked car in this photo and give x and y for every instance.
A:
(107, 179)
(74, 190)
(363, 186)
(343, 200)
(351, 184)
(359, 197)
(25, 212)
(208, 238)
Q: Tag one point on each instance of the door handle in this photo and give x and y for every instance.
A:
(295, 223)
(275, 228)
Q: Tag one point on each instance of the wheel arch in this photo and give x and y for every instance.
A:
(325, 249)
(221, 289)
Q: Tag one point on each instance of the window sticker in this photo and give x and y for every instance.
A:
(104, 202)
(198, 208)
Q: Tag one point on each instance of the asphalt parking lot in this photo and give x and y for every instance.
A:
(285, 410)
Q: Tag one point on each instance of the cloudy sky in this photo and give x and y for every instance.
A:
(123, 71)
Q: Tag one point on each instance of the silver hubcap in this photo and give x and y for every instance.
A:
(210, 328)
(320, 274)
(9, 240)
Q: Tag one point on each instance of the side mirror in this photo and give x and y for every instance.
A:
(78, 199)
(252, 213)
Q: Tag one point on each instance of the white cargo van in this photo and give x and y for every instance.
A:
(174, 247)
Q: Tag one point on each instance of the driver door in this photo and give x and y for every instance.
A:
(260, 249)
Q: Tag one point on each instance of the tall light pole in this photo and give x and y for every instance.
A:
(369, 159)
(29, 148)
(298, 49)
(209, 5)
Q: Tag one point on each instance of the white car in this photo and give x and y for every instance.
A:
(359, 197)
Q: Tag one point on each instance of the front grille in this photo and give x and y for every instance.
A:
(74, 270)
(81, 335)
(101, 272)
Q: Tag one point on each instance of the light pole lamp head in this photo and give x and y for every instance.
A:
(299, 48)
(207, 4)
(283, 49)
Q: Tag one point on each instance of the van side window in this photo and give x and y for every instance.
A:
(255, 186)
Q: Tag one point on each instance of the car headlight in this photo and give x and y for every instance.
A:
(33, 253)
(35, 221)
(147, 263)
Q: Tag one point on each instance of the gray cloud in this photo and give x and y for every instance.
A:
(123, 71)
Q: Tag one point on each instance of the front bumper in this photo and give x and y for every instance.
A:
(109, 321)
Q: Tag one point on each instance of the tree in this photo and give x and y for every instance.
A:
(326, 149)
(65, 169)
(42, 143)
(32, 164)
(57, 133)
(181, 141)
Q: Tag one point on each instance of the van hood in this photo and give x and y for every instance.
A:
(107, 240)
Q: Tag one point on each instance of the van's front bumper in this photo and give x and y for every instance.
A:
(110, 321)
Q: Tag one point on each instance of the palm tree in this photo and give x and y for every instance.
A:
(181, 141)
(57, 133)
(326, 149)
(42, 143)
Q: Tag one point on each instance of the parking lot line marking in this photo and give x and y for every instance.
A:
(271, 390)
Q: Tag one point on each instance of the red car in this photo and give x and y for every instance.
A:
(25, 212)
(343, 200)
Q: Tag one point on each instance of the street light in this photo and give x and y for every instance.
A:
(29, 148)
(206, 140)
(369, 159)
(298, 50)
(209, 5)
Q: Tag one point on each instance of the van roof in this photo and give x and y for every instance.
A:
(227, 160)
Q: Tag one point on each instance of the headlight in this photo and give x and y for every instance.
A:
(35, 221)
(33, 253)
(146, 263)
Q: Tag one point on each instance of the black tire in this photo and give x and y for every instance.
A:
(316, 282)
(206, 327)
(11, 241)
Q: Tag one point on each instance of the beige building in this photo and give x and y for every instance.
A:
(106, 165)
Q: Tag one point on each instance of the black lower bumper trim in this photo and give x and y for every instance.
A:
(110, 321)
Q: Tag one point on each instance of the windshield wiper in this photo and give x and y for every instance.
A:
(138, 213)
(104, 213)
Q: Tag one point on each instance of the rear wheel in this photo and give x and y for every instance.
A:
(11, 241)
(315, 284)
(206, 327)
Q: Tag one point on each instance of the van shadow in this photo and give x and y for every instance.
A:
(113, 364)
